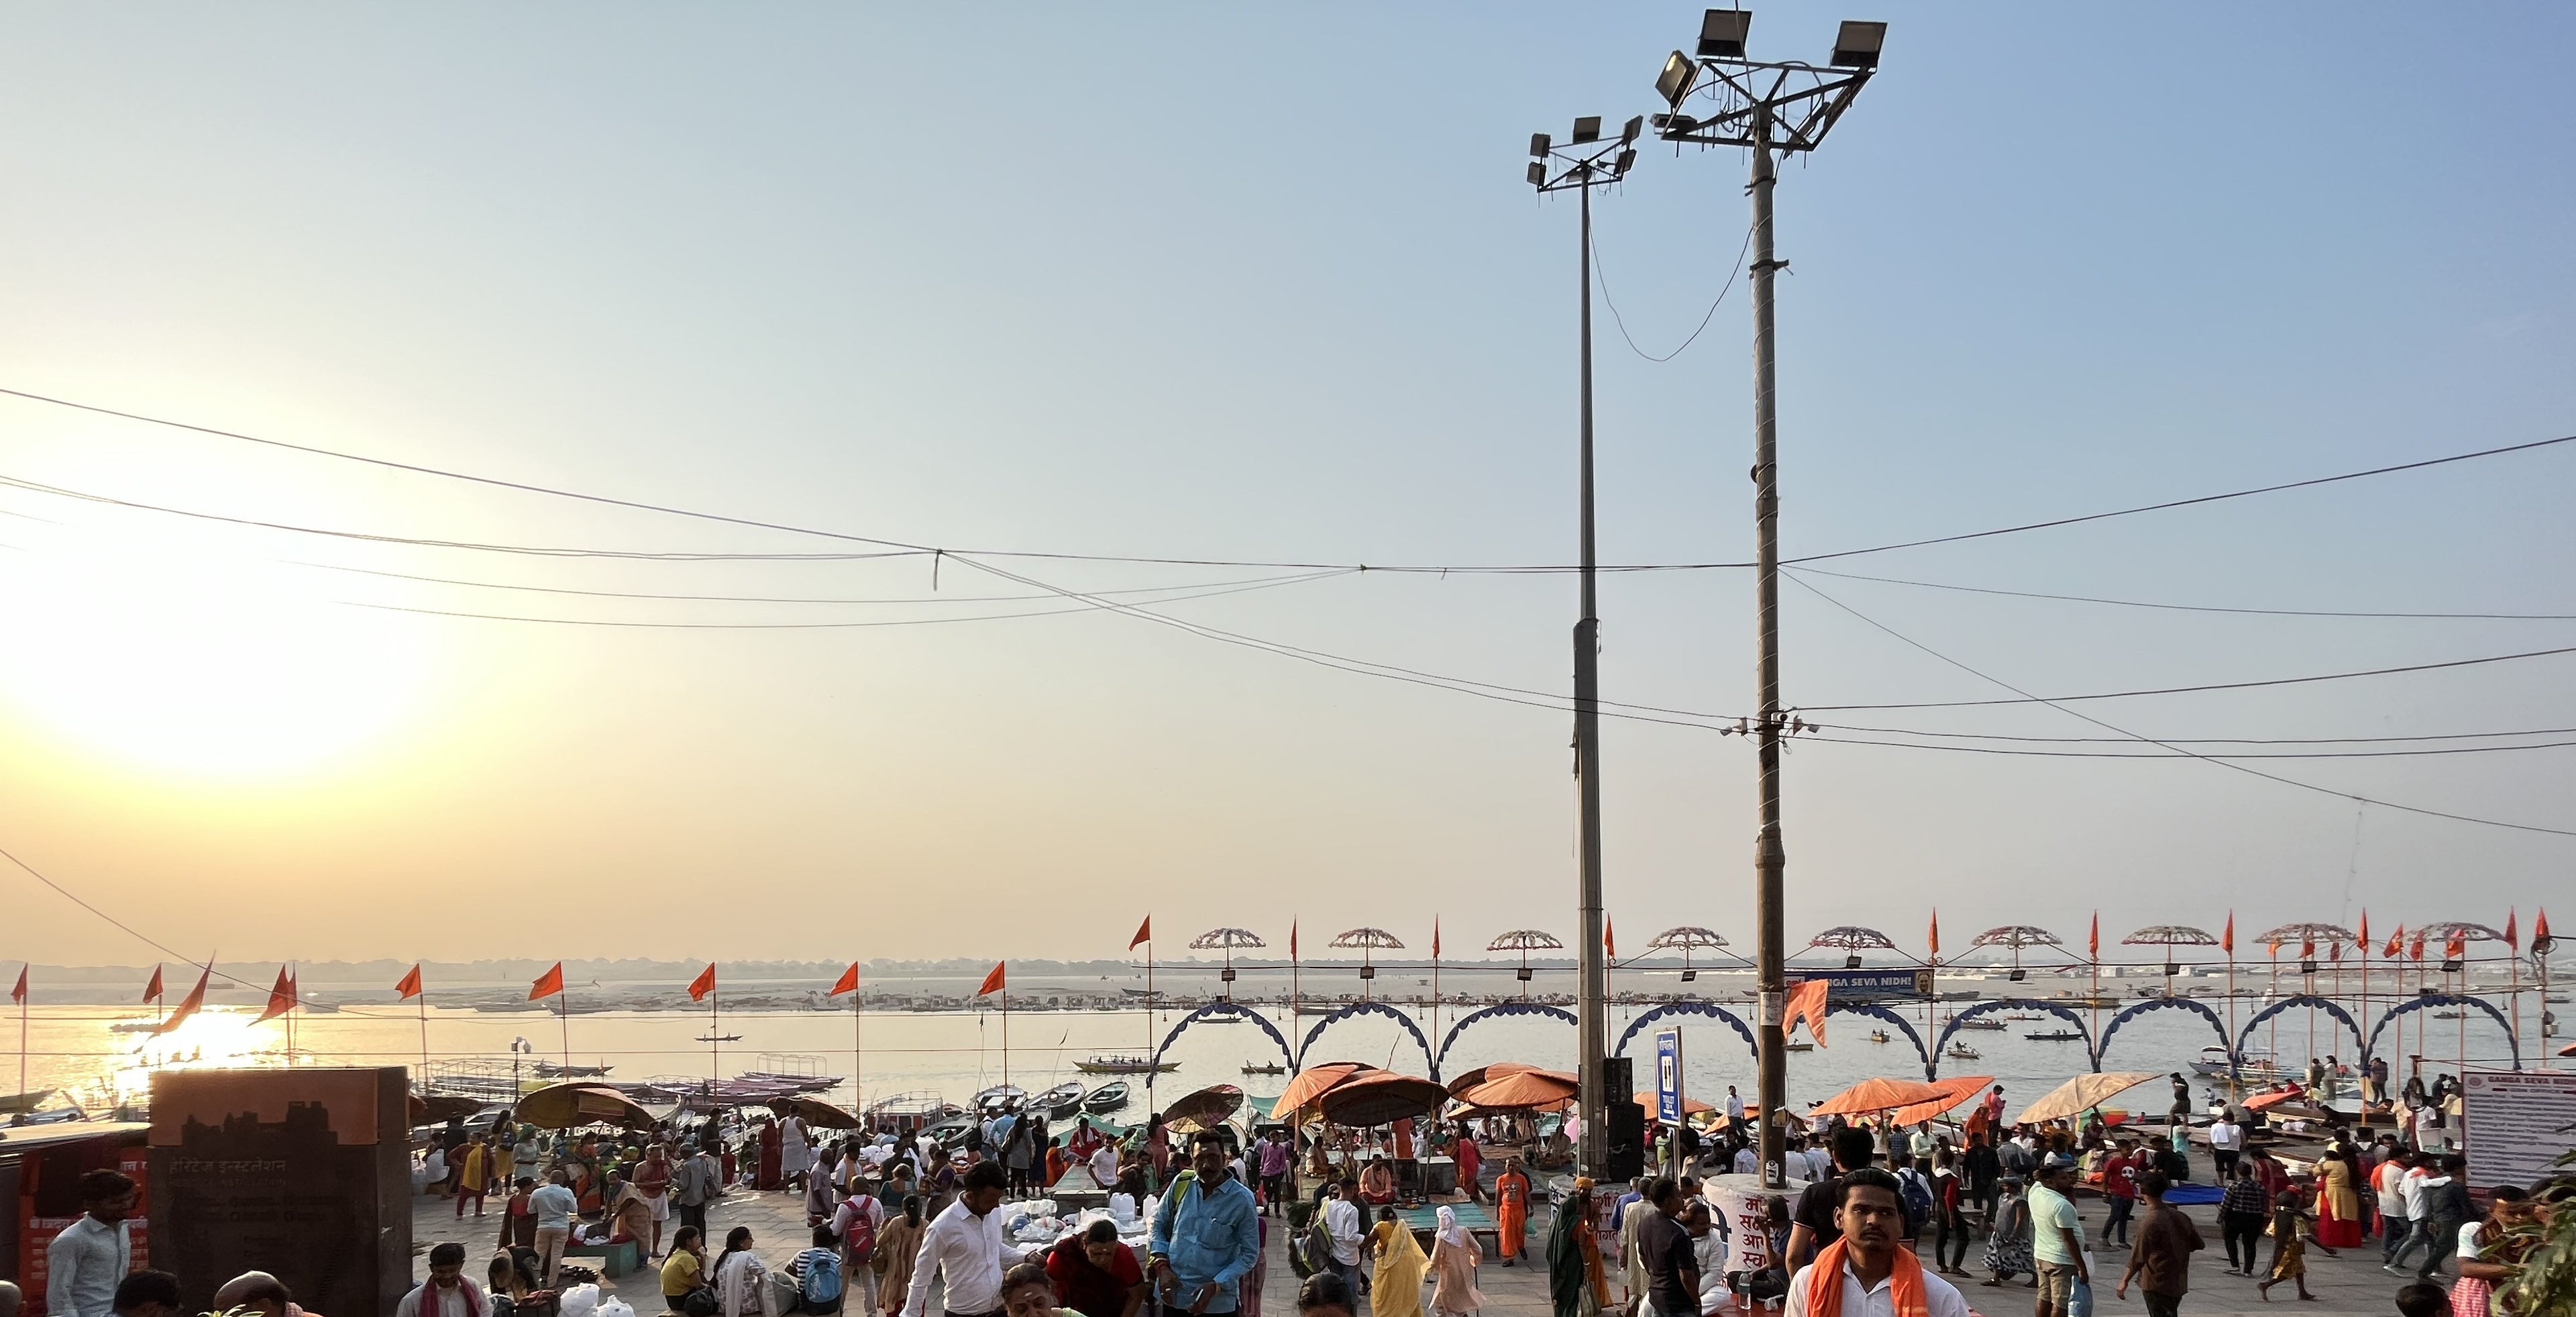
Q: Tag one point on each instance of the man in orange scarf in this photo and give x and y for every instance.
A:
(1867, 1273)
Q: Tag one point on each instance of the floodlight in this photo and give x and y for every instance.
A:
(1674, 83)
(1636, 124)
(1538, 146)
(1626, 159)
(1857, 44)
(1721, 33)
(1587, 129)
(1537, 174)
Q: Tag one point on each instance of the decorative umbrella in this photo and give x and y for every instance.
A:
(2016, 936)
(1382, 1099)
(1368, 940)
(1316, 1080)
(1227, 940)
(2082, 1093)
(1685, 939)
(1203, 1110)
(2305, 932)
(815, 1112)
(1525, 941)
(570, 1106)
(1480, 1074)
(1522, 1090)
(1960, 1089)
(1853, 939)
(1877, 1094)
(2170, 936)
(440, 1108)
(2447, 929)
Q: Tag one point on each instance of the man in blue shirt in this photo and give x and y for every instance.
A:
(553, 1205)
(91, 1255)
(1207, 1234)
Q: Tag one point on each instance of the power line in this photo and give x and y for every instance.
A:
(802, 599)
(138, 934)
(1603, 280)
(2215, 755)
(2201, 608)
(1811, 588)
(2215, 740)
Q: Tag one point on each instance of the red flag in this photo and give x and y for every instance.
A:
(2334, 952)
(19, 994)
(547, 984)
(704, 983)
(1806, 1001)
(410, 985)
(2227, 939)
(2362, 938)
(152, 990)
(848, 982)
(2512, 937)
(2093, 941)
(2396, 942)
(1292, 939)
(2415, 949)
(2307, 947)
(2455, 947)
(992, 981)
(1609, 938)
(1435, 937)
(1936, 933)
(281, 998)
(1144, 934)
(188, 1005)
(2540, 926)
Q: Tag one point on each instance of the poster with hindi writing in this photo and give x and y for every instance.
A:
(2517, 1123)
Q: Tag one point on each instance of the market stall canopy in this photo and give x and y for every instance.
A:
(1382, 1099)
(2083, 1093)
(1962, 1088)
(1480, 1074)
(1877, 1094)
(1203, 1110)
(1314, 1081)
(1523, 1090)
(1653, 1102)
(440, 1108)
(570, 1106)
(815, 1112)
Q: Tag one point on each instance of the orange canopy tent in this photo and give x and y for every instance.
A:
(1461, 1083)
(1522, 1090)
(1961, 1088)
(1877, 1094)
(1381, 1098)
(1315, 1081)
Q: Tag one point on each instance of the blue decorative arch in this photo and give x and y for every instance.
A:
(2305, 999)
(1429, 1058)
(1673, 1008)
(2093, 1055)
(1220, 1010)
(2158, 1004)
(1930, 1063)
(2445, 999)
(1506, 1008)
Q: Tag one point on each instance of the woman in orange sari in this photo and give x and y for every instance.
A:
(2338, 1203)
(1511, 1210)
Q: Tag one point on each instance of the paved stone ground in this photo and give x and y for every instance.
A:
(2349, 1283)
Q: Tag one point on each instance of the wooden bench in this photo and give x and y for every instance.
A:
(614, 1259)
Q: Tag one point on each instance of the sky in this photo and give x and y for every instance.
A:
(1218, 283)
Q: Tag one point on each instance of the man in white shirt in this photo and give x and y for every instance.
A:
(1342, 1222)
(964, 1246)
(448, 1292)
(1748, 1160)
(92, 1254)
(1104, 1164)
(1734, 1108)
(1868, 1262)
(2226, 1140)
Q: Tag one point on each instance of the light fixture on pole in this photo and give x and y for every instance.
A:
(1769, 107)
(1584, 162)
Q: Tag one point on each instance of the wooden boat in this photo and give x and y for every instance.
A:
(1798, 1046)
(1878, 1035)
(1264, 1068)
(1107, 1098)
(1059, 1101)
(551, 1070)
(1963, 1052)
(2055, 1036)
(1123, 1065)
(1001, 1097)
(17, 1104)
(1985, 1022)
(720, 1038)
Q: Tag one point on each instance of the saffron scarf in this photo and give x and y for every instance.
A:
(1825, 1283)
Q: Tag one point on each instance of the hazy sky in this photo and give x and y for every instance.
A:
(1227, 282)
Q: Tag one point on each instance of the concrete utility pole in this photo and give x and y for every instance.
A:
(1582, 164)
(1766, 107)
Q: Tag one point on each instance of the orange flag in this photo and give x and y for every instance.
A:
(281, 998)
(2540, 927)
(1609, 938)
(19, 994)
(547, 984)
(1806, 1001)
(704, 983)
(2361, 938)
(2512, 936)
(2415, 949)
(2227, 940)
(1936, 933)
(188, 1005)
(992, 981)
(2455, 947)
(2093, 942)
(1292, 935)
(848, 982)
(152, 990)
(410, 985)
(2396, 939)
(2307, 947)
(1435, 937)
(1144, 934)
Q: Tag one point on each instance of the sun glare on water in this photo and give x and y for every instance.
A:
(198, 664)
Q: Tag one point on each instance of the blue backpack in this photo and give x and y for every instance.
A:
(822, 1287)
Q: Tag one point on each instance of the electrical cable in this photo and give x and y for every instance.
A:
(1811, 588)
(1602, 278)
(2215, 740)
(138, 934)
(801, 599)
(2202, 608)
(2250, 754)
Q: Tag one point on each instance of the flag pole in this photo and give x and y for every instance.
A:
(1006, 1027)
(1435, 976)
(23, 994)
(858, 1096)
(292, 993)
(1297, 996)
(563, 1018)
(715, 1055)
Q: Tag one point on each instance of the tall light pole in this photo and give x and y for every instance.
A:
(1585, 162)
(1767, 107)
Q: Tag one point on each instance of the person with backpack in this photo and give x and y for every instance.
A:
(1916, 1198)
(818, 1274)
(856, 1224)
(1949, 1216)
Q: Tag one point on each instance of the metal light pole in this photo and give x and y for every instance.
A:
(1585, 162)
(1767, 107)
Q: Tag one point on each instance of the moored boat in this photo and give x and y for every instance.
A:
(1123, 1065)
(1107, 1098)
(1059, 1101)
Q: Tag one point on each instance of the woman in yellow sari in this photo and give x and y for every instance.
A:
(1396, 1289)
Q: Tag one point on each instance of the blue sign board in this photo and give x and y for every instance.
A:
(1668, 1076)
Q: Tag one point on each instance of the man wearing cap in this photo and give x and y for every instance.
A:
(2056, 1238)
